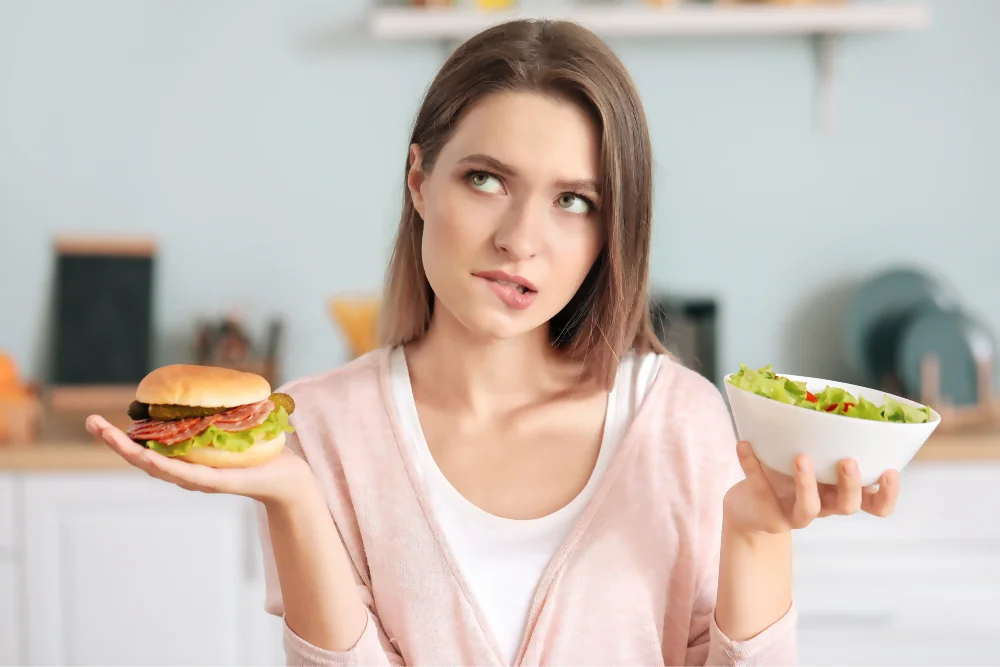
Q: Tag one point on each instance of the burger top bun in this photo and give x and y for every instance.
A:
(201, 386)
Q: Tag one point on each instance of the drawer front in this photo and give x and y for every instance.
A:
(916, 607)
(8, 514)
(840, 647)
(909, 588)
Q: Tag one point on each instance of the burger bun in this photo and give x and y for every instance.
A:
(201, 386)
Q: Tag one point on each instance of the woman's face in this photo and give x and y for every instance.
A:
(511, 227)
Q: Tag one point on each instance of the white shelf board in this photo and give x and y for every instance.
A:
(824, 23)
(443, 23)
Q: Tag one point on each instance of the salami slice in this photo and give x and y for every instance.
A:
(166, 431)
(173, 431)
(138, 424)
(239, 419)
(142, 430)
(240, 413)
(198, 425)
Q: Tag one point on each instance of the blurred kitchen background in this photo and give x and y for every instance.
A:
(222, 179)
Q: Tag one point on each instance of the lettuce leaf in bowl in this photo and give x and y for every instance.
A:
(835, 400)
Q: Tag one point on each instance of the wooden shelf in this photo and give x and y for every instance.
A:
(824, 23)
(64, 444)
(444, 23)
(983, 445)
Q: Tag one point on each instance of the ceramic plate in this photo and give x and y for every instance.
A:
(957, 339)
(877, 315)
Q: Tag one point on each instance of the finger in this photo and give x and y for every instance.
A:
(115, 438)
(883, 501)
(754, 471)
(755, 475)
(185, 475)
(749, 462)
(807, 502)
(848, 488)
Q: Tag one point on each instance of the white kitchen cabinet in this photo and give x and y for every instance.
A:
(10, 626)
(116, 568)
(8, 514)
(919, 588)
(893, 649)
(122, 569)
(10, 593)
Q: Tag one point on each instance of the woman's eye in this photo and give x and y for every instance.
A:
(573, 203)
(485, 182)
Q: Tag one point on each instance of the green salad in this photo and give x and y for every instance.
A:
(764, 382)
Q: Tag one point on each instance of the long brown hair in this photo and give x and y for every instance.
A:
(610, 312)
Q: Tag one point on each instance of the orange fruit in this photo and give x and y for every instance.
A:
(8, 372)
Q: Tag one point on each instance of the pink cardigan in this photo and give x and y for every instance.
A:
(634, 584)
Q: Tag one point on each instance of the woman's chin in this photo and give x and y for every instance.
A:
(500, 326)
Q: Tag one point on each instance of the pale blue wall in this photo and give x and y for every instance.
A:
(208, 122)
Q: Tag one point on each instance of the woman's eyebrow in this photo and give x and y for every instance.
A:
(506, 170)
(491, 162)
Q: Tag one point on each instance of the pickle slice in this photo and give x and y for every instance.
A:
(138, 411)
(181, 411)
(283, 400)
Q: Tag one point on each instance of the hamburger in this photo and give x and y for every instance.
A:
(213, 416)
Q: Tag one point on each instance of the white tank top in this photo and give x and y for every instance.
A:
(503, 559)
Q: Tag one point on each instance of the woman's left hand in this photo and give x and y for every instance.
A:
(769, 502)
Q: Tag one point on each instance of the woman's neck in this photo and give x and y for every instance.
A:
(458, 371)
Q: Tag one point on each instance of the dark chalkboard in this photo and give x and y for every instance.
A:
(103, 312)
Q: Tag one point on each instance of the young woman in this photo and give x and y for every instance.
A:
(522, 475)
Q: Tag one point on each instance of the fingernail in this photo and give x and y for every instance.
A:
(742, 448)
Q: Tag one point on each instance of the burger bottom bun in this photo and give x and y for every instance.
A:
(257, 454)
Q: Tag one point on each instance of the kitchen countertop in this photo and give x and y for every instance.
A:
(64, 444)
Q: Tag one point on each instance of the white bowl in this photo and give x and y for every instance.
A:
(778, 432)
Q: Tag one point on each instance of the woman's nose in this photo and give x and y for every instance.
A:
(520, 235)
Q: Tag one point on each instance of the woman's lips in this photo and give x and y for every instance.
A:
(515, 292)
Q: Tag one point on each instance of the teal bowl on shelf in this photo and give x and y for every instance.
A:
(879, 313)
(957, 339)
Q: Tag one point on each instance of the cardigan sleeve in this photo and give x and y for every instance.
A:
(373, 648)
(775, 645)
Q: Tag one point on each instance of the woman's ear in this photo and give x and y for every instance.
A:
(415, 179)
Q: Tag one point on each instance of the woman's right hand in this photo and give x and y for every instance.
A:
(274, 482)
